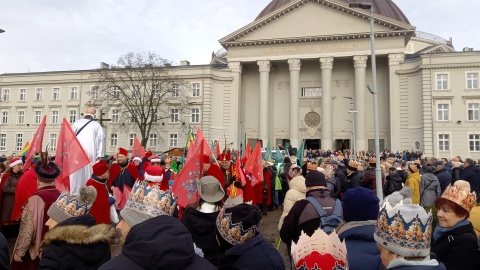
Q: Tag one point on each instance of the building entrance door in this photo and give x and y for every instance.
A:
(312, 144)
(342, 144)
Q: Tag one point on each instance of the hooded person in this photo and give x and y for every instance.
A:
(123, 175)
(100, 209)
(74, 241)
(430, 187)
(242, 246)
(199, 218)
(360, 211)
(32, 226)
(151, 237)
(403, 235)
(404, 195)
(295, 193)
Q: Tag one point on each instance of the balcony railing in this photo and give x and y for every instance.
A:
(432, 37)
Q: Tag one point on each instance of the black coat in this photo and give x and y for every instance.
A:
(394, 183)
(458, 249)
(445, 178)
(456, 172)
(160, 243)
(353, 180)
(202, 228)
(77, 243)
(4, 255)
(471, 174)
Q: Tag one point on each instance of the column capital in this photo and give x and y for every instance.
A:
(395, 58)
(264, 65)
(326, 63)
(294, 64)
(235, 66)
(360, 61)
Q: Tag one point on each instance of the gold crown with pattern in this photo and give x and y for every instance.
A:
(151, 200)
(461, 196)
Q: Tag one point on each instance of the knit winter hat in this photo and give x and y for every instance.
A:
(405, 195)
(405, 229)
(67, 206)
(146, 202)
(315, 178)
(360, 204)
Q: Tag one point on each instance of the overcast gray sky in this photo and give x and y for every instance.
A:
(52, 35)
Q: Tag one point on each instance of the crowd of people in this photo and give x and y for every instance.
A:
(331, 216)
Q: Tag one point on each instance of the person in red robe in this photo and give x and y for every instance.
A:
(26, 187)
(100, 209)
(225, 160)
(262, 191)
(123, 175)
(212, 169)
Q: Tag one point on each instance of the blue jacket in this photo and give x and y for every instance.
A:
(471, 174)
(444, 177)
(363, 253)
(256, 253)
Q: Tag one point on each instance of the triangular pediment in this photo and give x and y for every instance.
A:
(310, 19)
(440, 48)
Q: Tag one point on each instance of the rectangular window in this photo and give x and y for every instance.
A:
(443, 112)
(153, 140)
(173, 140)
(54, 117)
(72, 116)
(37, 116)
(6, 95)
(474, 140)
(20, 117)
(442, 81)
(113, 139)
(116, 92)
(444, 142)
(18, 142)
(473, 110)
(175, 90)
(195, 115)
(39, 94)
(22, 94)
(53, 142)
(196, 89)
(311, 92)
(131, 138)
(94, 92)
(174, 116)
(4, 117)
(73, 92)
(114, 116)
(3, 142)
(472, 80)
(56, 93)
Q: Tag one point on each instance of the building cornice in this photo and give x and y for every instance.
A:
(440, 66)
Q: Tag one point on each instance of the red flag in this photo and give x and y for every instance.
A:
(36, 145)
(247, 150)
(190, 150)
(70, 156)
(217, 151)
(254, 165)
(237, 170)
(137, 148)
(198, 138)
(185, 184)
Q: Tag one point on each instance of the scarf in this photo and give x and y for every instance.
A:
(439, 231)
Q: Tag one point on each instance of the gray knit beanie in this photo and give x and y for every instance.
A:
(405, 195)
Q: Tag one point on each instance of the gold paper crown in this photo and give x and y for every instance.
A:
(372, 160)
(151, 200)
(461, 196)
(312, 166)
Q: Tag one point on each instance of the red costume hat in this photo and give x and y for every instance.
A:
(14, 162)
(225, 157)
(148, 154)
(206, 159)
(244, 160)
(123, 151)
(155, 159)
(100, 168)
(154, 174)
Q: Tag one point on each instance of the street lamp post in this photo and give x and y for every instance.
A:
(352, 111)
(378, 172)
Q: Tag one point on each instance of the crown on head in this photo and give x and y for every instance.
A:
(404, 229)
(461, 196)
(234, 233)
(320, 251)
(72, 205)
(151, 200)
(352, 165)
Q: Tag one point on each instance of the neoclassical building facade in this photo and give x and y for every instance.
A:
(300, 71)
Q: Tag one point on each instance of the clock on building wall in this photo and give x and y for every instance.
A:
(312, 119)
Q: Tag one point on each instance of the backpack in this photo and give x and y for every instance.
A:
(328, 223)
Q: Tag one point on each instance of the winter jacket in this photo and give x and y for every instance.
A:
(413, 182)
(296, 192)
(77, 243)
(456, 172)
(445, 178)
(4, 253)
(202, 228)
(334, 185)
(394, 183)
(427, 264)
(304, 217)
(158, 243)
(369, 180)
(429, 189)
(342, 180)
(471, 174)
(475, 219)
(457, 249)
(255, 253)
(362, 250)
(353, 180)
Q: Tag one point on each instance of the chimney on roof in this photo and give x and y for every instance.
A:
(104, 65)
(468, 49)
(184, 63)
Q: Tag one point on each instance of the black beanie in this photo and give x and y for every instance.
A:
(315, 178)
(287, 160)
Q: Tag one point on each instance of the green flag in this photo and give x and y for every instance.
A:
(278, 156)
(300, 153)
(286, 149)
(268, 152)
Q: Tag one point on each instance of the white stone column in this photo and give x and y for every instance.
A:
(360, 64)
(326, 64)
(264, 69)
(394, 93)
(294, 66)
(232, 116)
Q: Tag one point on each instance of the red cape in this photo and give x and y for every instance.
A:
(115, 170)
(26, 188)
(215, 171)
(101, 207)
(248, 192)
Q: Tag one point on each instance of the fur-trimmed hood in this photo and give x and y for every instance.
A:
(79, 234)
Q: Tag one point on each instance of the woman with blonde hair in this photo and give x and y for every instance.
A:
(296, 191)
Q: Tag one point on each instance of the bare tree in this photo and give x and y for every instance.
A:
(141, 90)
